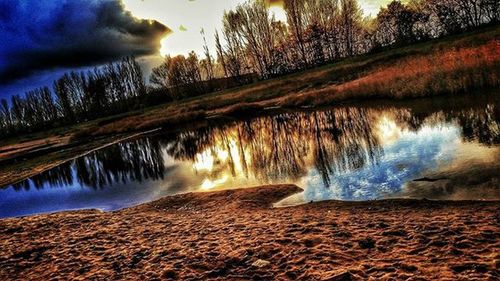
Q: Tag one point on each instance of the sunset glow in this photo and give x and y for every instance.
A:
(389, 132)
(186, 19)
(249, 139)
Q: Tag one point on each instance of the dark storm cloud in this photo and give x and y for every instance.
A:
(48, 34)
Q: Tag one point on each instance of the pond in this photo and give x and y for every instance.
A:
(431, 148)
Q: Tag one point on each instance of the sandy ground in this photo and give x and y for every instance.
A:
(236, 235)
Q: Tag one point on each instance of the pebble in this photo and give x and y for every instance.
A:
(260, 263)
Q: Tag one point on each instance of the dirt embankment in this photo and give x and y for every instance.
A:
(236, 235)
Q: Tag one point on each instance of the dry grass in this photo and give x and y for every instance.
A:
(142, 123)
(459, 70)
(454, 71)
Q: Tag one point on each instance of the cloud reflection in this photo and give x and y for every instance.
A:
(404, 159)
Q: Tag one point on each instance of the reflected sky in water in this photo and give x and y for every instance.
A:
(345, 153)
(408, 156)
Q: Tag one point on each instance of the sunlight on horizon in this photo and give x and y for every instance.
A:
(186, 19)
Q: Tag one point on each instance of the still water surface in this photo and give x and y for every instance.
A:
(435, 150)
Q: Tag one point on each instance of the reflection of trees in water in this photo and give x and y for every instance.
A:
(280, 147)
(58, 176)
(480, 124)
(342, 140)
(186, 145)
(135, 160)
(286, 145)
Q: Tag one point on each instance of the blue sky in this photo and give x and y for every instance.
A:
(40, 39)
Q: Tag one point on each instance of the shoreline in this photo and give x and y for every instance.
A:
(9, 173)
(238, 235)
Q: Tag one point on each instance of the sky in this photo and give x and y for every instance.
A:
(42, 39)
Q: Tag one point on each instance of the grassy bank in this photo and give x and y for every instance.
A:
(455, 65)
(450, 72)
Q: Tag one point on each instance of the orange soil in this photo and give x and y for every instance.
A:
(236, 235)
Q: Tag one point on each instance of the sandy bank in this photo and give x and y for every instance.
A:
(236, 235)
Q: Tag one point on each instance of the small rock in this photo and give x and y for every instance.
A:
(311, 242)
(383, 225)
(260, 263)
(291, 274)
(407, 267)
(367, 243)
(169, 274)
(344, 276)
(395, 233)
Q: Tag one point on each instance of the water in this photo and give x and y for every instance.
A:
(436, 149)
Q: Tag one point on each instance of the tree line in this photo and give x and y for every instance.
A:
(251, 45)
(254, 45)
(75, 97)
